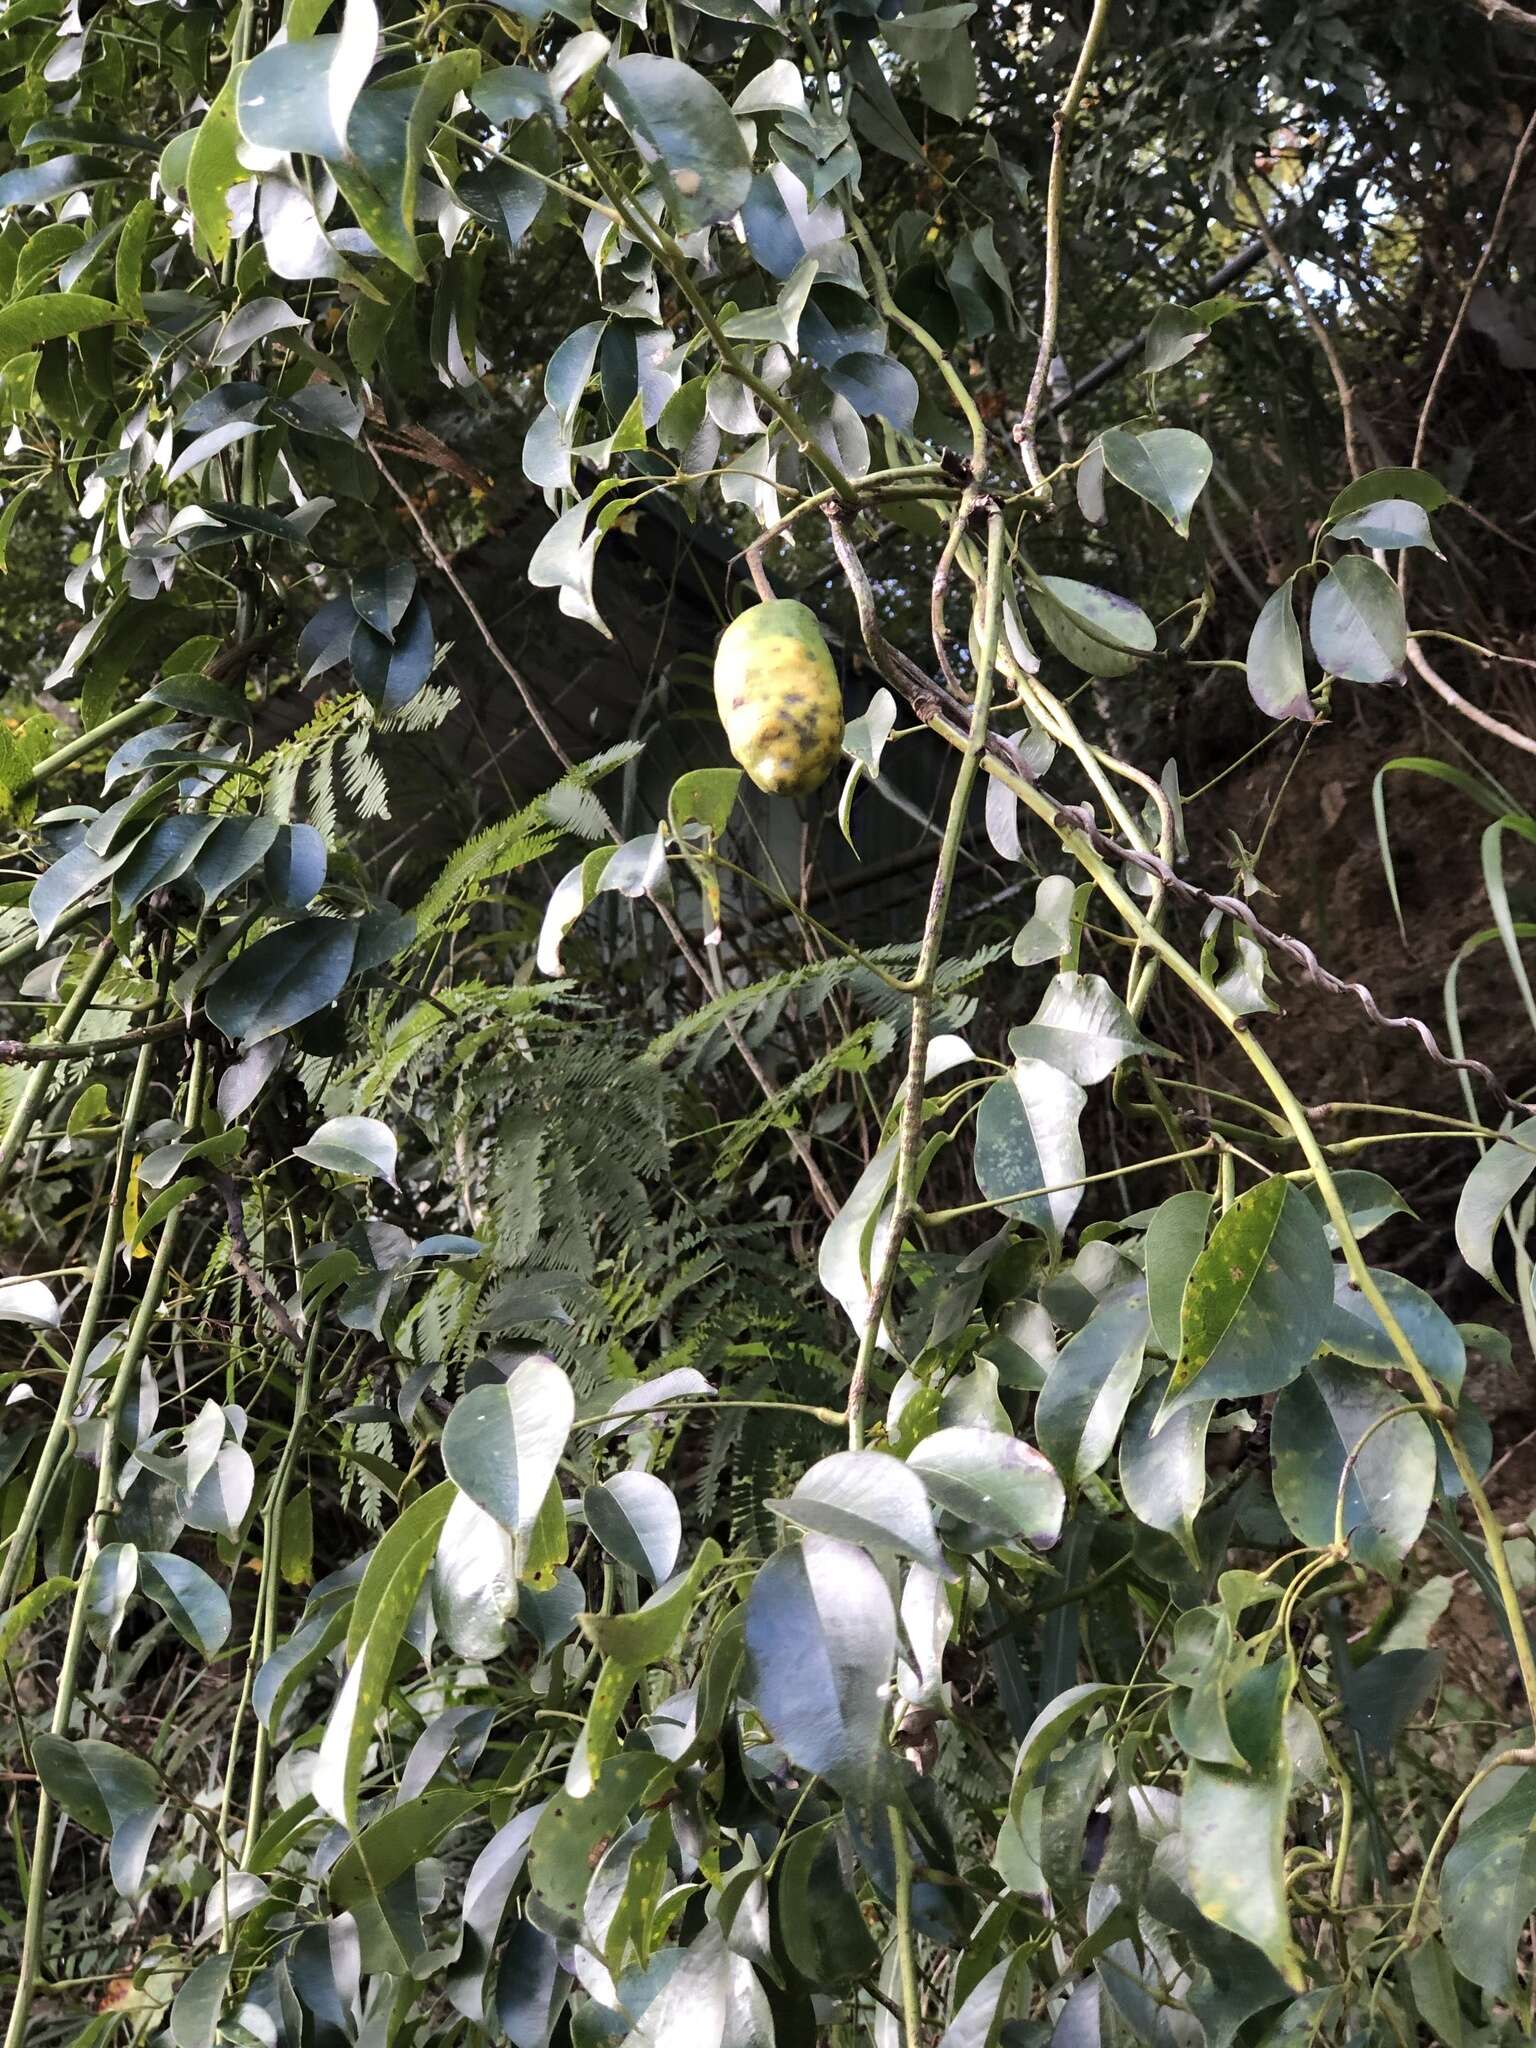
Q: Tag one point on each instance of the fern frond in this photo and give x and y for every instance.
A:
(513, 843)
(855, 1054)
(575, 809)
(363, 777)
(517, 841)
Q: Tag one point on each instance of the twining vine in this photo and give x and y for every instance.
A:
(461, 1576)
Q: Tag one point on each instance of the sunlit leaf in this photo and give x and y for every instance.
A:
(1256, 1301)
(999, 1490)
(1488, 1888)
(821, 1643)
(636, 1519)
(1029, 1152)
(1083, 1402)
(1096, 630)
(1357, 626)
(1277, 677)
(379, 1615)
(1082, 1028)
(1168, 466)
(503, 1441)
(1417, 486)
(863, 1497)
(196, 1606)
(687, 134)
(1389, 523)
(1489, 1190)
(352, 1144)
(1342, 1427)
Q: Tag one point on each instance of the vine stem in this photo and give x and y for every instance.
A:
(82, 744)
(940, 357)
(1077, 844)
(264, 1636)
(937, 1216)
(662, 248)
(1521, 1759)
(911, 1994)
(1351, 1464)
(28, 1969)
(30, 1102)
(1066, 114)
(973, 747)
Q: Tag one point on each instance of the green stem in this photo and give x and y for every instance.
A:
(271, 1540)
(28, 1970)
(1296, 1118)
(940, 357)
(20, 1540)
(925, 479)
(30, 1102)
(82, 744)
(925, 980)
(1084, 1180)
(1066, 114)
(911, 1994)
(1395, 1414)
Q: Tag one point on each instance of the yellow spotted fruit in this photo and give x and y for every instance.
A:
(778, 698)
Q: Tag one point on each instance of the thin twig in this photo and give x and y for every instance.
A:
(1420, 662)
(1479, 271)
(938, 630)
(931, 702)
(1061, 129)
(1342, 178)
(759, 575)
(1320, 334)
(240, 1258)
(476, 616)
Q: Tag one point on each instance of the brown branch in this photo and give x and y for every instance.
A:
(1503, 13)
(477, 618)
(240, 1257)
(1510, 734)
(1061, 129)
(935, 705)
(1320, 334)
(753, 556)
(20, 1052)
(233, 661)
(417, 445)
(937, 628)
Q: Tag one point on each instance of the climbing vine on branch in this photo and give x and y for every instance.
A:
(525, 1513)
